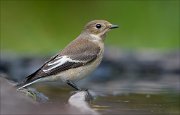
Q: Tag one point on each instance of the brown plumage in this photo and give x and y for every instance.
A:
(78, 49)
(77, 59)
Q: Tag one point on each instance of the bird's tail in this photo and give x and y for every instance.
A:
(21, 85)
(27, 81)
(24, 84)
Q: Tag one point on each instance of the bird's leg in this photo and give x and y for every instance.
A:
(89, 97)
(70, 83)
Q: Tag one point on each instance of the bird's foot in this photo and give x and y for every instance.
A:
(88, 96)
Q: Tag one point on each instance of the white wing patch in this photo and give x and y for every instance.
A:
(60, 61)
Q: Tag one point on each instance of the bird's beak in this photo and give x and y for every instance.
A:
(113, 26)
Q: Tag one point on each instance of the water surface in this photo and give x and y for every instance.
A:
(125, 103)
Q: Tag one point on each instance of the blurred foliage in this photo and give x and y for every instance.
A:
(49, 25)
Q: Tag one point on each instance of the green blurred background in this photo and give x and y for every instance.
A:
(47, 26)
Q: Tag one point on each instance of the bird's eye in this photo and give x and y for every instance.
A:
(98, 26)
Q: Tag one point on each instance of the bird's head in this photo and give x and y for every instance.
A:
(99, 28)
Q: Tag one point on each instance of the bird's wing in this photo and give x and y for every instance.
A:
(79, 52)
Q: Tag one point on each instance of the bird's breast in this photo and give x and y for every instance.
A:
(82, 71)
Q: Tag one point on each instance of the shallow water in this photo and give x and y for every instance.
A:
(127, 103)
(138, 104)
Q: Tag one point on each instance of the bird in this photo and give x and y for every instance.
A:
(78, 59)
